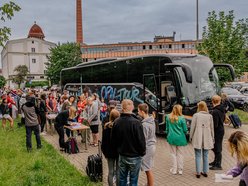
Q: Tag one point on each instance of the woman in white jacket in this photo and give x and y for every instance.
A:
(202, 137)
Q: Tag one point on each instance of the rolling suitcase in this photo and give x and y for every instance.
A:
(236, 122)
(94, 165)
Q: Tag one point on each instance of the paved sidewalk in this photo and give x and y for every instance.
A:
(162, 163)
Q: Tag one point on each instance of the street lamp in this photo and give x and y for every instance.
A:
(197, 22)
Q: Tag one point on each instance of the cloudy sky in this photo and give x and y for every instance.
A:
(111, 21)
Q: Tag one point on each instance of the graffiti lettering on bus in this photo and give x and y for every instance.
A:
(110, 92)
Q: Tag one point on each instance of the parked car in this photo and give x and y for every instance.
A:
(239, 85)
(239, 100)
(244, 91)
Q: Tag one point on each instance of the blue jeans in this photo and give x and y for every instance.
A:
(131, 166)
(29, 134)
(204, 153)
(113, 168)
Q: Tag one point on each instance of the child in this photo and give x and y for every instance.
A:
(238, 144)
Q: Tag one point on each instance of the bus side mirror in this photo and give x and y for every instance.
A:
(228, 66)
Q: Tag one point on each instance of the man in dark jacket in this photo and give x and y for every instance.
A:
(218, 114)
(130, 142)
(31, 122)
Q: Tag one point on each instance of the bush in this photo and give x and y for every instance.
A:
(37, 84)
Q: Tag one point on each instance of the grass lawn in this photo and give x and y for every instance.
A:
(242, 115)
(40, 167)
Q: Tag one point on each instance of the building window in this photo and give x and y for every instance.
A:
(33, 50)
(150, 47)
(45, 71)
(183, 45)
(129, 48)
(144, 47)
(160, 46)
(41, 77)
(170, 46)
(33, 60)
(33, 42)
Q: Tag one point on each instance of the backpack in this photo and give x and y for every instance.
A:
(71, 146)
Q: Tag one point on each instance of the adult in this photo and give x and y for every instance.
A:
(108, 148)
(62, 99)
(5, 111)
(93, 120)
(238, 145)
(61, 120)
(202, 137)
(111, 106)
(82, 103)
(51, 103)
(31, 113)
(43, 111)
(150, 137)
(227, 104)
(129, 139)
(21, 102)
(176, 130)
(68, 103)
(218, 114)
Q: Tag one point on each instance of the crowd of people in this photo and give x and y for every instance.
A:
(128, 139)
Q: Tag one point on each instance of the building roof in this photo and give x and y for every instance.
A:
(36, 31)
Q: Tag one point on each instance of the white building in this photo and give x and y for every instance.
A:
(31, 51)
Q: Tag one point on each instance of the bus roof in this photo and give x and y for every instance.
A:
(107, 60)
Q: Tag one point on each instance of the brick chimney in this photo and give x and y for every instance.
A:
(79, 22)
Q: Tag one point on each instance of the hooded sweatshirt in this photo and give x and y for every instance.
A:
(218, 114)
(149, 131)
(31, 113)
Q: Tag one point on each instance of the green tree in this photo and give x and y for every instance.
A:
(6, 13)
(225, 41)
(21, 73)
(2, 81)
(62, 56)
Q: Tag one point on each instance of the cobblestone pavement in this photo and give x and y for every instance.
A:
(162, 163)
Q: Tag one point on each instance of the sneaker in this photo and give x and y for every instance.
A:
(180, 172)
(215, 168)
(172, 172)
(39, 147)
(197, 175)
(212, 163)
(204, 174)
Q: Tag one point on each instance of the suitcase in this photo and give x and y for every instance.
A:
(71, 146)
(236, 122)
(94, 165)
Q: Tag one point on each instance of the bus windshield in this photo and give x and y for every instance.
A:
(205, 80)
